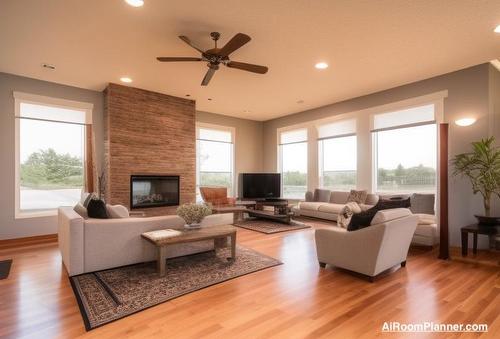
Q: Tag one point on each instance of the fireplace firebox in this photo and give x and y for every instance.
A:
(154, 191)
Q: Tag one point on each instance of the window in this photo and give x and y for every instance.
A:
(337, 155)
(405, 150)
(215, 158)
(50, 153)
(293, 163)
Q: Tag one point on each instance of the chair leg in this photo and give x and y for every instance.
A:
(371, 279)
(322, 264)
(403, 264)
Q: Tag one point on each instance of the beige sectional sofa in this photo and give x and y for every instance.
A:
(326, 204)
(89, 245)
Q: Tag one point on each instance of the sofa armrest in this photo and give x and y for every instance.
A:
(309, 196)
(70, 235)
(355, 250)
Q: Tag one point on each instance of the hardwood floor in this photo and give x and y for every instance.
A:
(294, 300)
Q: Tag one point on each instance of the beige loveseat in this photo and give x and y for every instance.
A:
(89, 245)
(370, 250)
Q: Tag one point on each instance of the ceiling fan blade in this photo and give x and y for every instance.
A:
(169, 59)
(208, 76)
(187, 41)
(247, 67)
(236, 42)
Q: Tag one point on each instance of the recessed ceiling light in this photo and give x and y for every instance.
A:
(126, 79)
(465, 121)
(135, 3)
(497, 29)
(300, 101)
(321, 65)
(49, 66)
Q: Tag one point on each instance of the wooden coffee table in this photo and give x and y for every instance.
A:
(215, 233)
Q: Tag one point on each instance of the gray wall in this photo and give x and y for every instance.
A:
(468, 94)
(248, 141)
(9, 226)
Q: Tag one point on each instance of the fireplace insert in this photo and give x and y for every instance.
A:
(154, 190)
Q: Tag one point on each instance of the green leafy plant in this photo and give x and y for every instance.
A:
(482, 167)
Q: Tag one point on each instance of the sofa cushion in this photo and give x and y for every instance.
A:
(357, 196)
(426, 219)
(384, 216)
(310, 205)
(426, 230)
(331, 208)
(339, 197)
(422, 203)
(322, 195)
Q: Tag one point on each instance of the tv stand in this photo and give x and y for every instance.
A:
(280, 213)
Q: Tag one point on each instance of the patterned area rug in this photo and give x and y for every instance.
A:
(112, 294)
(268, 226)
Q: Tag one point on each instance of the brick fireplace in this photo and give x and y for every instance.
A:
(148, 133)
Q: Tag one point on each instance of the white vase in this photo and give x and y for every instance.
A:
(192, 226)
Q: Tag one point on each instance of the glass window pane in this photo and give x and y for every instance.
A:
(406, 159)
(294, 170)
(214, 134)
(338, 163)
(51, 164)
(337, 128)
(298, 135)
(408, 116)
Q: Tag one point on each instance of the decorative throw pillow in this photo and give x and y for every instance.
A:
(97, 209)
(357, 196)
(364, 219)
(345, 215)
(117, 211)
(388, 204)
(81, 210)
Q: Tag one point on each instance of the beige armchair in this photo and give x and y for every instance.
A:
(370, 250)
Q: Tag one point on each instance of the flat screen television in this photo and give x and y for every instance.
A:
(260, 185)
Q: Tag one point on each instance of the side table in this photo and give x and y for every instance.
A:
(476, 229)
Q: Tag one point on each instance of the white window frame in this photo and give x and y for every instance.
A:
(321, 159)
(280, 131)
(435, 99)
(20, 97)
(231, 130)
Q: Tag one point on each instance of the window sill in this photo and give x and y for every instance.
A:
(28, 215)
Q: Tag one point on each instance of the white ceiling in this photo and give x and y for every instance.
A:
(370, 46)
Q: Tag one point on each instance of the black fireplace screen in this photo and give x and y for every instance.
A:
(154, 190)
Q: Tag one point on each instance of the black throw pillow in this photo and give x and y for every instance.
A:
(388, 204)
(364, 219)
(97, 209)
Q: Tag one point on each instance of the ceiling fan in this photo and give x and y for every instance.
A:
(217, 56)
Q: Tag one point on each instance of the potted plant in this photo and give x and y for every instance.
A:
(482, 167)
(193, 214)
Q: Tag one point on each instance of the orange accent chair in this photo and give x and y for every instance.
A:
(216, 196)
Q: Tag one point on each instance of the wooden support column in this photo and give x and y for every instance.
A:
(444, 247)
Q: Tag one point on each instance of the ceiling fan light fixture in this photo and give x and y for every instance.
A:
(321, 65)
(135, 3)
(126, 80)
